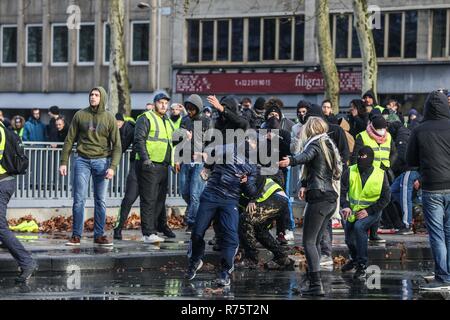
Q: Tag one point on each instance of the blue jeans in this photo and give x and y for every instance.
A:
(8, 239)
(356, 237)
(402, 190)
(192, 186)
(228, 215)
(83, 170)
(436, 208)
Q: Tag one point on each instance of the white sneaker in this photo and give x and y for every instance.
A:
(152, 239)
(289, 235)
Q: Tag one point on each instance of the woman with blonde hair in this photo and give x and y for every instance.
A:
(320, 181)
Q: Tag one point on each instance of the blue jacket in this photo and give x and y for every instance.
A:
(34, 130)
(225, 178)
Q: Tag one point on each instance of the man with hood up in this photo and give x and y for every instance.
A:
(370, 101)
(99, 150)
(302, 109)
(191, 183)
(429, 149)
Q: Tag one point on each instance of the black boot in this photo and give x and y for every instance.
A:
(315, 287)
(118, 233)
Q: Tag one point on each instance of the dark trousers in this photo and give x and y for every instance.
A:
(131, 194)
(8, 239)
(152, 192)
(326, 243)
(253, 227)
(315, 223)
(356, 237)
(212, 205)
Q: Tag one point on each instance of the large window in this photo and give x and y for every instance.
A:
(193, 32)
(60, 44)
(140, 40)
(269, 37)
(237, 39)
(207, 40)
(397, 37)
(246, 39)
(8, 44)
(34, 45)
(438, 46)
(285, 36)
(299, 36)
(86, 44)
(107, 43)
(254, 39)
(222, 45)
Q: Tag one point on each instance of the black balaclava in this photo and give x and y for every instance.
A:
(273, 123)
(365, 158)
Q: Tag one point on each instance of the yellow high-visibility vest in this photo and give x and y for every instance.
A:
(382, 152)
(159, 138)
(359, 197)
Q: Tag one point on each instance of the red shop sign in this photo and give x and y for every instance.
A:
(287, 82)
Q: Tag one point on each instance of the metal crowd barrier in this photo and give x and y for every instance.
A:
(43, 187)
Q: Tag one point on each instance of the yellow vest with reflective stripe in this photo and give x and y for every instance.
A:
(159, 138)
(270, 187)
(382, 152)
(130, 119)
(359, 197)
(176, 125)
(20, 133)
(379, 108)
(2, 147)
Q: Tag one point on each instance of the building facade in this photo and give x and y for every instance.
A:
(249, 47)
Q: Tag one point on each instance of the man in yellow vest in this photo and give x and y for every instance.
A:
(380, 140)
(261, 203)
(370, 101)
(176, 114)
(364, 194)
(9, 241)
(154, 155)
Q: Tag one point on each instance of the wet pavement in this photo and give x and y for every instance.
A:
(398, 281)
(134, 270)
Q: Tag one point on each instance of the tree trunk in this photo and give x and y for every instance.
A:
(367, 46)
(326, 55)
(119, 89)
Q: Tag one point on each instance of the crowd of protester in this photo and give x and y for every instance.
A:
(366, 170)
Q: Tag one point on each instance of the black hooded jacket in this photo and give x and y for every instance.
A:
(429, 144)
(230, 118)
(369, 93)
(400, 135)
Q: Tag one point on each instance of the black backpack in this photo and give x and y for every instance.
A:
(14, 160)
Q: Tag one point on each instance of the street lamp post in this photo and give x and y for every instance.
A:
(155, 43)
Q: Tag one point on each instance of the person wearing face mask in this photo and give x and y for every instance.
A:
(273, 118)
(302, 109)
(380, 140)
(364, 194)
